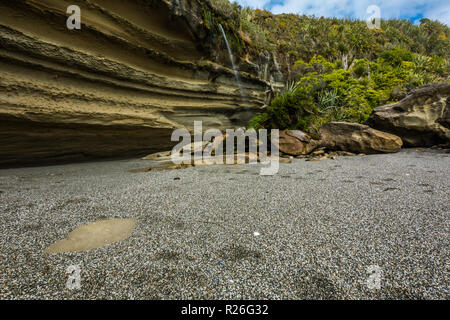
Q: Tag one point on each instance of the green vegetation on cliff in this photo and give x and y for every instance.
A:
(302, 37)
(327, 92)
(340, 69)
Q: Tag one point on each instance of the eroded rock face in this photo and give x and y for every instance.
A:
(422, 119)
(357, 138)
(296, 142)
(135, 71)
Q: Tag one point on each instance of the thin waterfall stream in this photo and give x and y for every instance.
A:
(236, 72)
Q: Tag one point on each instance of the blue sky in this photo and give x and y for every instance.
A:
(413, 10)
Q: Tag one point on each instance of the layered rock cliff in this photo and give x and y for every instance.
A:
(135, 71)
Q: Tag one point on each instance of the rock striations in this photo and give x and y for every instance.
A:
(135, 71)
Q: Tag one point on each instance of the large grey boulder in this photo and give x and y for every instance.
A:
(422, 119)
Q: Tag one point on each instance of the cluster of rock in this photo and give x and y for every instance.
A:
(422, 119)
(338, 139)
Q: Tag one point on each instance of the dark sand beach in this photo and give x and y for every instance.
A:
(225, 232)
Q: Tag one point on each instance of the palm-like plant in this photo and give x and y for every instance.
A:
(291, 87)
(328, 101)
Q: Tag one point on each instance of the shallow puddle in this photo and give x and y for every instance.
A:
(94, 235)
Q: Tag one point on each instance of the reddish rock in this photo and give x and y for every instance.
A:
(296, 142)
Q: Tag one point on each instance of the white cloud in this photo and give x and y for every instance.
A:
(257, 4)
(433, 9)
(442, 14)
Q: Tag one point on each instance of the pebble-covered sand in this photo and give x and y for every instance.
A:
(225, 232)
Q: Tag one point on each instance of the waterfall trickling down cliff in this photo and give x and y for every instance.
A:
(236, 72)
